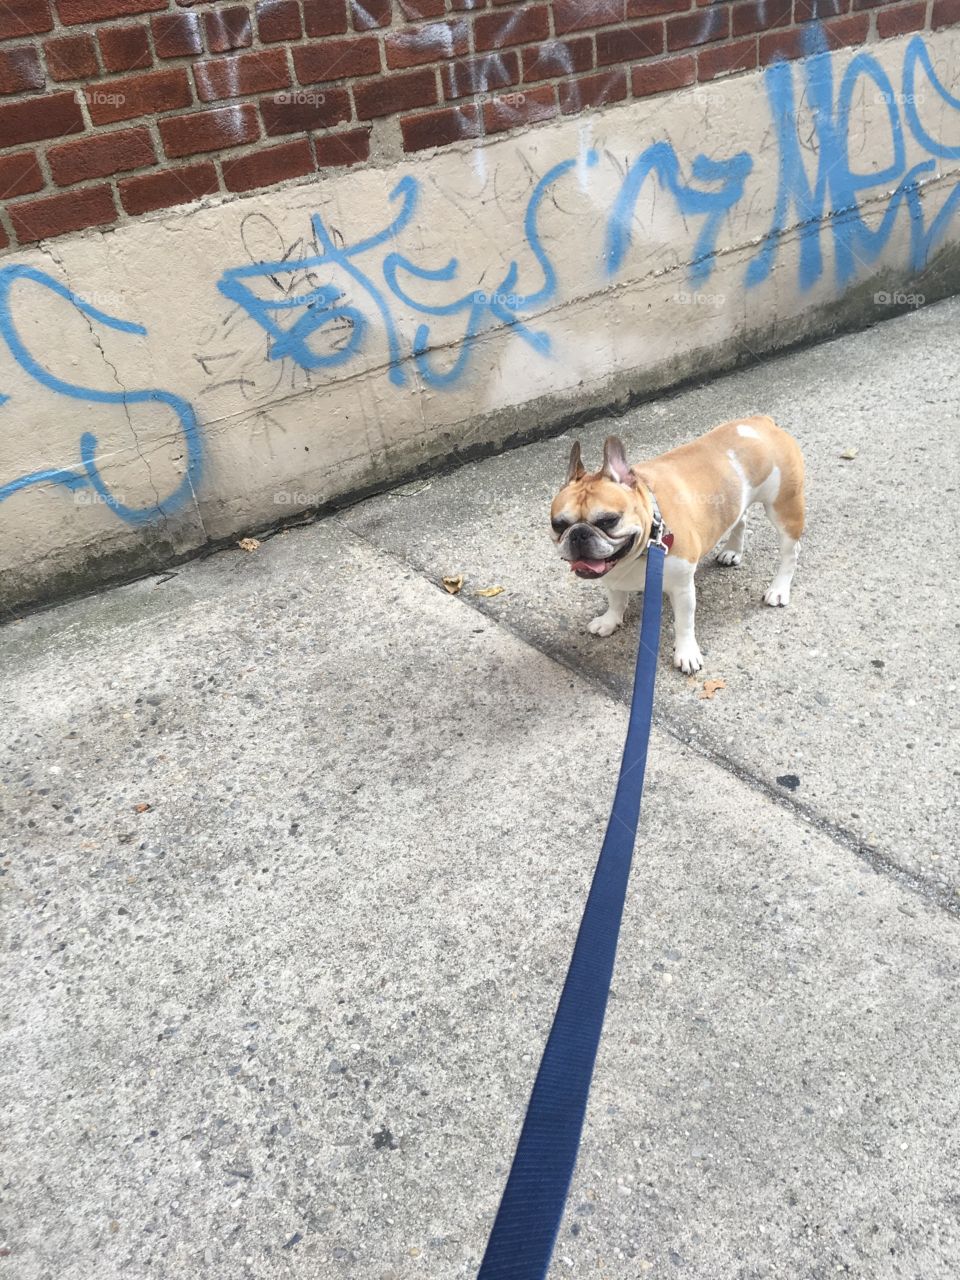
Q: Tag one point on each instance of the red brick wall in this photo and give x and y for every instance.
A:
(112, 108)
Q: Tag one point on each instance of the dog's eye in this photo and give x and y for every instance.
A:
(606, 523)
(558, 524)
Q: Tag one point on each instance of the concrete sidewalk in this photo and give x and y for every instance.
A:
(295, 847)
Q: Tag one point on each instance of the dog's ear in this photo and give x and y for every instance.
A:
(576, 468)
(615, 465)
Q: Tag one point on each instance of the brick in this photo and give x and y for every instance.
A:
(4, 238)
(241, 75)
(109, 101)
(584, 15)
(101, 155)
(558, 58)
(842, 32)
(125, 48)
(510, 110)
(629, 44)
(71, 57)
(698, 28)
(367, 14)
(265, 167)
(209, 130)
(395, 93)
(54, 116)
(946, 13)
(904, 18)
(298, 110)
(439, 128)
(760, 15)
(654, 8)
(168, 187)
(592, 91)
(337, 59)
(177, 35)
(479, 75)
(19, 174)
(516, 26)
(817, 10)
(228, 29)
(325, 17)
(338, 149)
(68, 211)
(19, 18)
(278, 20)
(20, 70)
(776, 46)
(663, 77)
(75, 11)
(433, 42)
(413, 10)
(727, 59)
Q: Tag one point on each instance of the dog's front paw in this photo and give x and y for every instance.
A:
(777, 597)
(729, 558)
(688, 658)
(605, 625)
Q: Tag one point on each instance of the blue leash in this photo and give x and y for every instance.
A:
(528, 1220)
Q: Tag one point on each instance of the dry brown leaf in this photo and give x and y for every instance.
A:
(848, 455)
(710, 687)
(452, 585)
(248, 544)
(489, 591)
(142, 807)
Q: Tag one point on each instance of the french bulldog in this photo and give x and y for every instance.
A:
(602, 521)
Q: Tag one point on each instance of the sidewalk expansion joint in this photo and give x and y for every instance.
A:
(879, 861)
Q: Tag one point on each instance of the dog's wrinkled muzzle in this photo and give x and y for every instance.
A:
(590, 554)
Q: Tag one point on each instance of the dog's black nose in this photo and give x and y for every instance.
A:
(580, 533)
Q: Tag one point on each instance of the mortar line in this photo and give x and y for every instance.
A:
(879, 862)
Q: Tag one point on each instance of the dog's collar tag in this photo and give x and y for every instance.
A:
(659, 536)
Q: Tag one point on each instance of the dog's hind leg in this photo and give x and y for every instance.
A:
(731, 552)
(785, 513)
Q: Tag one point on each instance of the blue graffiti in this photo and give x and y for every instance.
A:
(325, 305)
(661, 159)
(328, 307)
(86, 473)
(837, 188)
(803, 206)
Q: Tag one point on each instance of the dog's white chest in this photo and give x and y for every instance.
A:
(628, 576)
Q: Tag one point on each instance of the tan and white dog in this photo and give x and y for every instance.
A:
(602, 521)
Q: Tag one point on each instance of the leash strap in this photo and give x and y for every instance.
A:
(528, 1220)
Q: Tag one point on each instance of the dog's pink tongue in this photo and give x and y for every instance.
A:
(592, 566)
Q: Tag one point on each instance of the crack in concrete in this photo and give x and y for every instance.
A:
(880, 862)
(47, 248)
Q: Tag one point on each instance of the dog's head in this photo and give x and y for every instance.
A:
(602, 518)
